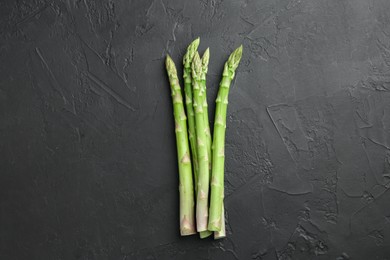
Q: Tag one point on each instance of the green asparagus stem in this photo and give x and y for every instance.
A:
(187, 60)
(186, 189)
(222, 232)
(217, 179)
(205, 63)
(205, 234)
(203, 160)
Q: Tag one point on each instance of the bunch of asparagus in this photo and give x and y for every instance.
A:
(201, 158)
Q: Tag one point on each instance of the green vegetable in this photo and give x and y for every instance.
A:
(208, 155)
(187, 61)
(222, 232)
(203, 160)
(218, 156)
(205, 63)
(186, 189)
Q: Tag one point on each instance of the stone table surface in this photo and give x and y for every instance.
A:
(88, 164)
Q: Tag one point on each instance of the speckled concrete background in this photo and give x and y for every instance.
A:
(88, 161)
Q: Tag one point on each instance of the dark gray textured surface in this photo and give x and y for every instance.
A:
(88, 164)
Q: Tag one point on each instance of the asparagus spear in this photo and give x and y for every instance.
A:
(222, 232)
(187, 60)
(203, 174)
(186, 189)
(205, 63)
(217, 173)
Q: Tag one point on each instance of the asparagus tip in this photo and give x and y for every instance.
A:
(195, 43)
(170, 65)
(235, 58)
(196, 66)
(205, 58)
(191, 49)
